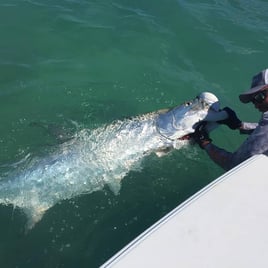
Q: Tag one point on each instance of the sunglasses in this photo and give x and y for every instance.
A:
(259, 97)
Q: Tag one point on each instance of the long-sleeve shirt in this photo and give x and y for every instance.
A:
(256, 143)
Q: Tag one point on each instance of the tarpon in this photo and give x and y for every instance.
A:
(99, 157)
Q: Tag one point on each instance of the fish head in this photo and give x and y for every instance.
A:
(189, 114)
(202, 103)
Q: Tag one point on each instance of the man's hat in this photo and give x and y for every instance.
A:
(259, 82)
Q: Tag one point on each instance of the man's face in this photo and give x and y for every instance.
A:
(260, 100)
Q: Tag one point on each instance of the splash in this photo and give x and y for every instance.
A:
(88, 162)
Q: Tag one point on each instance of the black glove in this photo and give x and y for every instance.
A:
(233, 122)
(200, 136)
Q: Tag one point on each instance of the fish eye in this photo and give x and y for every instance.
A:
(188, 103)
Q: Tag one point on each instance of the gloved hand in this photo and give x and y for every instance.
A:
(233, 122)
(200, 136)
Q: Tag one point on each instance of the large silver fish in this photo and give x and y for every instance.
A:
(99, 157)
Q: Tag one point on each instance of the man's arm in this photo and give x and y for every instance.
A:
(223, 158)
(219, 156)
(233, 122)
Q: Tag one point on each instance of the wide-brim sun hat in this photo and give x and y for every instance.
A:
(259, 82)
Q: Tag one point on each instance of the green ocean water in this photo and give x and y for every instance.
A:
(79, 65)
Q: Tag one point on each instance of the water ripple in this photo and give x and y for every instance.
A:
(215, 17)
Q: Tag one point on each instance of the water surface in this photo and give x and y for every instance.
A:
(77, 67)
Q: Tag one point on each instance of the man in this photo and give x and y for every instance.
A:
(257, 142)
